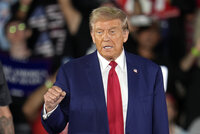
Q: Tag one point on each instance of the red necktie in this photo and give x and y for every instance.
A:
(114, 102)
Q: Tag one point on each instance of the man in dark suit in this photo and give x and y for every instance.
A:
(109, 91)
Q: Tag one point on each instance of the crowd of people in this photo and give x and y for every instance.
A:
(37, 36)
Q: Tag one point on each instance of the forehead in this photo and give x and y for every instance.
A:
(107, 24)
(13, 23)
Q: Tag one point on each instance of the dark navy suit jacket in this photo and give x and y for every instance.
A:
(84, 106)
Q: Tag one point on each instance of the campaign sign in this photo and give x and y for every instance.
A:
(23, 77)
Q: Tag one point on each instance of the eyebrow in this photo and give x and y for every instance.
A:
(114, 27)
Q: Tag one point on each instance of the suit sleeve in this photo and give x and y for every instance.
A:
(160, 117)
(57, 121)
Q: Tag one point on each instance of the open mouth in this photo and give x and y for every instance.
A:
(107, 47)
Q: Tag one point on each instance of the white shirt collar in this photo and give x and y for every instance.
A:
(120, 61)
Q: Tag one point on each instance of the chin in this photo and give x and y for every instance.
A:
(109, 58)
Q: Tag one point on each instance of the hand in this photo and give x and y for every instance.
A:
(53, 97)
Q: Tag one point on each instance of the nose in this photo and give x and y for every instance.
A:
(106, 37)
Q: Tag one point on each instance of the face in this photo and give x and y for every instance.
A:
(16, 32)
(109, 38)
(148, 38)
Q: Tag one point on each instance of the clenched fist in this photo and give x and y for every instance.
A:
(53, 97)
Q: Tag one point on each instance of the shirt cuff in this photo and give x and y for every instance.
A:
(45, 114)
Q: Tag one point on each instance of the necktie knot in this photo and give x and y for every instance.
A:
(113, 64)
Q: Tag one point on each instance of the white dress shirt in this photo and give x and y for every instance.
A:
(121, 70)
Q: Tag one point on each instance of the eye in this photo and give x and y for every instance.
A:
(99, 32)
(21, 27)
(112, 32)
(12, 29)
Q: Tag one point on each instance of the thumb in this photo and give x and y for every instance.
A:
(62, 96)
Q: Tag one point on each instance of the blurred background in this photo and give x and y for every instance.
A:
(37, 36)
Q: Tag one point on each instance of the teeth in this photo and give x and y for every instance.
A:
(107, 47)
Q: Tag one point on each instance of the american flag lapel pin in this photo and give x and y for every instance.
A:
(135, 70)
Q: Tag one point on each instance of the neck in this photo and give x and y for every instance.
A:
(19, 51)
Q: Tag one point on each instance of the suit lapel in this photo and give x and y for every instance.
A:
(95, 79)
(133, 73)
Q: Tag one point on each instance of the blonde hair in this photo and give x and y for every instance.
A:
(108, 13)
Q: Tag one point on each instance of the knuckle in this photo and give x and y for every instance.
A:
(54, 98)
(45, 97)
(50, 89)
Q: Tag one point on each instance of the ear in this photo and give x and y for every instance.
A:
(92, 35)
(125, 35)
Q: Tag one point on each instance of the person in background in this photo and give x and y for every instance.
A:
(110, 90)
(146, 41)
(23, 71)
(78, 27)
(6, 120)
(6, 7)
(190, 67)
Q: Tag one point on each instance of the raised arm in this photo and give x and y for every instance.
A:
(72, 16)
(188, 61)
